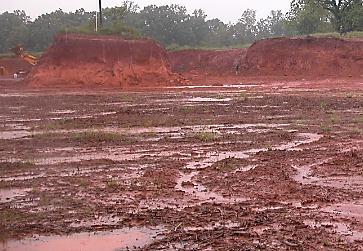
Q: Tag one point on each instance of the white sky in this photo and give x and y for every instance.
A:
(226, 10)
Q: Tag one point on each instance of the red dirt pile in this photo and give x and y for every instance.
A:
(13, 64)
(292, 57)
(82, 60)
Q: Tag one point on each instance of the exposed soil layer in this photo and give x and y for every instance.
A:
(308, 56)
(290, 58)
(103, 61)
(244, 167)
(220, 62)
(13, 64)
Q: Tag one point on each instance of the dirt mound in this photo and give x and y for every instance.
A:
(220, 62)
(13, 64)
(79, 60)
(308, 56)
(297, 58)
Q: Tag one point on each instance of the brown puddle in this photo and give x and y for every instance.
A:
(8, 195)
(305, 177)
(123, 239)
(200, 99)
(200, 192)
(338, 228)
(352, 210)
(18, 134)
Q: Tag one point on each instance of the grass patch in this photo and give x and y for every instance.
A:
(176, 47)
(99, 137)
(325, 127)
(61, 124)
(358, 119)
(323, 106)
(112, 184)
(206, 136)
(243, 97)
(349, 35)
(227, 165)
(9, 216)
(334, 119)
(16, 165)
(186, 109)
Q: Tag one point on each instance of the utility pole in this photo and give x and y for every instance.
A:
(96, 22)
(100, 6)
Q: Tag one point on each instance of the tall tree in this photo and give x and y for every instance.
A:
(13, 29)
(343, 13)
(307, 17)
(246, 27)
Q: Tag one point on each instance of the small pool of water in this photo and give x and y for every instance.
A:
(123, 239)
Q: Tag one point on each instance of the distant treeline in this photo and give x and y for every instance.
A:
(174, 27)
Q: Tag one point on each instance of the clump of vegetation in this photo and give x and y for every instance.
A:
(99, 137)
(334, 119)
(227, 165)
(323, 106)
(186, 109)
(325, 127)
(358, 119)
(16, 165)
(61, 124)
(243, 97)
(206, 136)
(112, 184)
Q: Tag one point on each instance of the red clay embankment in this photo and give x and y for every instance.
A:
(291, 58)
(211, 62)
(107, 61)
(309, 56)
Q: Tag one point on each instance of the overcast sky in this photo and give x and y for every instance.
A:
(226, 10)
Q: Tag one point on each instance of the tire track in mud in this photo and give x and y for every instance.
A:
(196, 193)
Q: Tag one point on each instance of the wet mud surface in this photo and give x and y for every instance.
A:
(242, 167)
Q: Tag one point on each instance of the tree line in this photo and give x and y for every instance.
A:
(174, 27)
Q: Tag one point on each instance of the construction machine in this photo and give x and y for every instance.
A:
(20, 53)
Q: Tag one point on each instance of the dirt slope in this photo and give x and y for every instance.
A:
(297, 58)
(220, 62)
(102, 60)
(305, 57)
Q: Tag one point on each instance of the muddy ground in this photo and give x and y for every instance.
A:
(242, 167)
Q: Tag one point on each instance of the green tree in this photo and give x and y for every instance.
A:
(307, 17)
(273, 26)
(219, 34)
(13, 29)
(165, 23)
(246, 27)
(344, 13)
(46, 26)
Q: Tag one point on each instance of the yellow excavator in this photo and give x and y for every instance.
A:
(20, 53)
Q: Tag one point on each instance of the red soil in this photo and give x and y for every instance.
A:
(79, 60)
(290, 58)
(220, 62)
(13, 65)
(308, 56)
